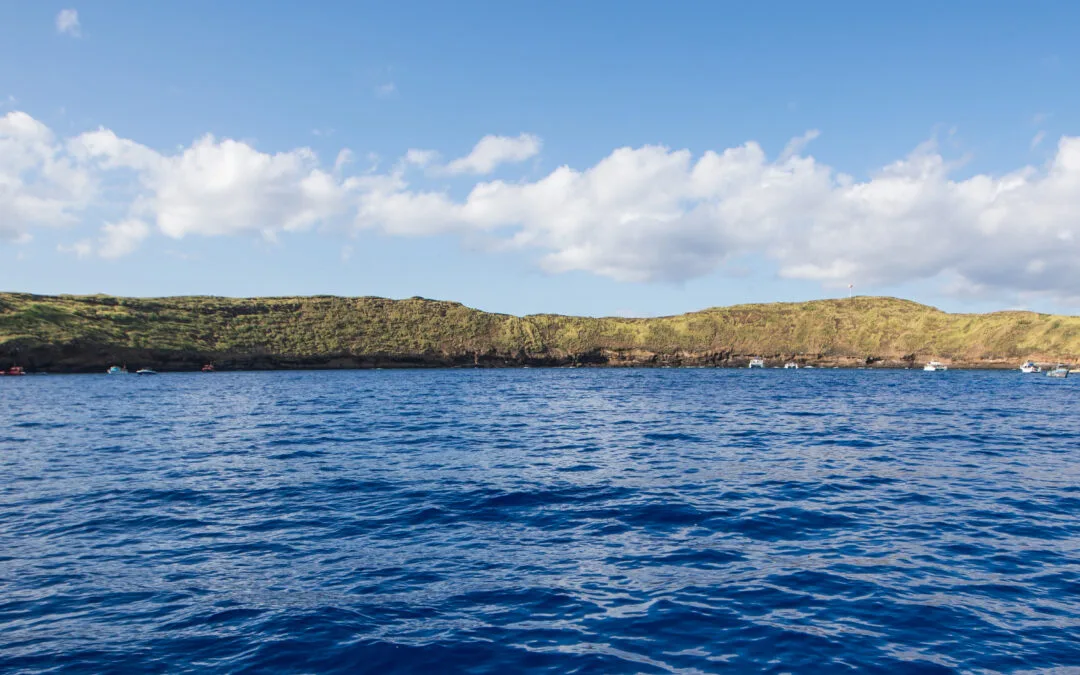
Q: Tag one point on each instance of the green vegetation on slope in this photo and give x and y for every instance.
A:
(879, 328)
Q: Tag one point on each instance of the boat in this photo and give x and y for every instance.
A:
(791, 365)
(757, 363)
(145, 371)
(935, 366)
(1030, 367)
(1061, 370)
(116, 370)
(208, 368)
(14, 370)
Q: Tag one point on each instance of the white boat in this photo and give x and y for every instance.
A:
(791, 365)
(935, 366)
(145, 371)
(116, 370)
(1060, 371)
(1030, 367)
(757, 363)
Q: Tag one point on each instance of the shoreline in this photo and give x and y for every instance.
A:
(160, 369)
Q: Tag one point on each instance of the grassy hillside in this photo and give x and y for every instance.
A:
(72, 332)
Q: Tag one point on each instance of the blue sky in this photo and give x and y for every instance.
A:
(968, 103)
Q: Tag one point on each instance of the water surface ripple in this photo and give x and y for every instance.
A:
(593, 521)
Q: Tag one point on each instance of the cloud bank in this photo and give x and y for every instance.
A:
(640, 214)
(492, 151)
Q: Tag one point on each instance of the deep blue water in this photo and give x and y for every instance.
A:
(540, 521)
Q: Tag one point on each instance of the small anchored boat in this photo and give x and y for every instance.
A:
(1060, 371)
(791, 365)
(1030, 367)
(935, 366)
(145, 371)
(757, 363)
(116, 370)
(208, 368)
(14, 370)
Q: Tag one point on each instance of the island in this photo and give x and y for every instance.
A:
(89, 333)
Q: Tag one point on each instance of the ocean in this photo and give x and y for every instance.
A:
(533, 520)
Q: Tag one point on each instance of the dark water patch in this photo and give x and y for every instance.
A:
(858, 443)
(671, 437)
(824, 584)
(577, 468)
(26, 424)
(791, 523)
(666, 515)
(688, 558)
(299, 454)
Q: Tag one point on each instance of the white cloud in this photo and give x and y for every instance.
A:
(212, 187)
(420, 158)
(221, 187)
(120, 239)
(492, 151)
(1038, 139)
(796, 145)
(116, 240)
(386, 90)
(39, 184)
(67, 23)
(344, 158)
(81, 249)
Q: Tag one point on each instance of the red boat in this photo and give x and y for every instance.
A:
(14, 370)
(208, 368)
